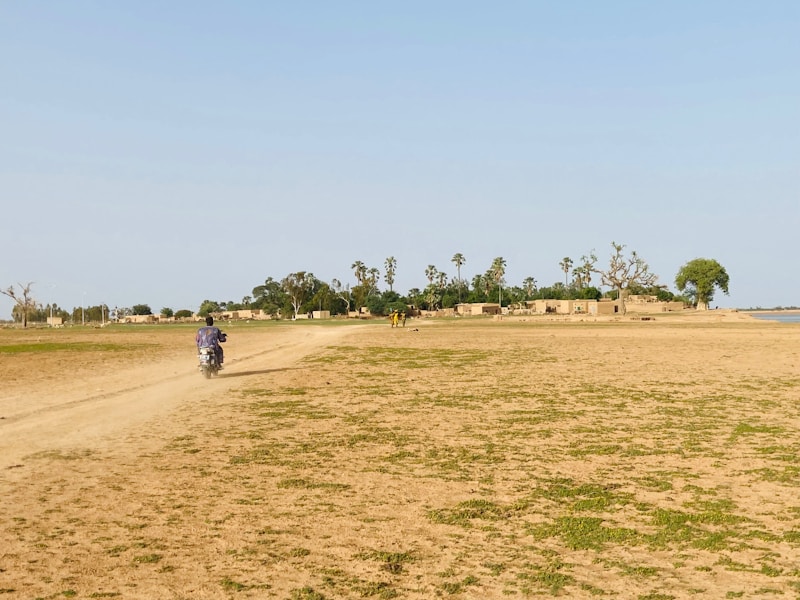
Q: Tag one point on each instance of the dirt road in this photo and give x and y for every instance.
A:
(98, 407)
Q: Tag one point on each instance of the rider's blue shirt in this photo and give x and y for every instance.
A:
(208, 337)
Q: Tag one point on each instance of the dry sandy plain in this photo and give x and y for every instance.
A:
(524, 457)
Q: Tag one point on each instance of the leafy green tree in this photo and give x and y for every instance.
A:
(557, 291)
(167, 312)
(432, 296)
(298, 287)
(480, 285)
(207, 307)
(588, 293)
(700, 278)
(183, 314)
(322, 296)
(97, 314)
(141, 309)
(270, 297)
(659, 291)
(42, 313)
(377, 305)
(624, 271)
(515, 296)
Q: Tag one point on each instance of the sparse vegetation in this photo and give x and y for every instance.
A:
(475, 459)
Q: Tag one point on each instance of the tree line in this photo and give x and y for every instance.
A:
(301, 292)
(626, 273)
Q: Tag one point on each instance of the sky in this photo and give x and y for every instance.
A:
(165, 153)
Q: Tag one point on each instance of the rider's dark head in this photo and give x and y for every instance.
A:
(209, 321)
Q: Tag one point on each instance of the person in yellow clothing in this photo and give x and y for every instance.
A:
(395, 318)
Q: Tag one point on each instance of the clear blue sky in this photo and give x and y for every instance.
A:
(170, 152)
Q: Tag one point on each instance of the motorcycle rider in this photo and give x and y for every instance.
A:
(211, 337)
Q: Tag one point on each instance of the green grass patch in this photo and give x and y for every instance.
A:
(47, 347)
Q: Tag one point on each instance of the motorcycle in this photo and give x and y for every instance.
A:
(208, 362)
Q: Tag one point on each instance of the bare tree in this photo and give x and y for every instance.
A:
(23, 299)
(342, 292)
(623, 271)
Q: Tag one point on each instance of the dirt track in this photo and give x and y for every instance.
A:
(102, 403)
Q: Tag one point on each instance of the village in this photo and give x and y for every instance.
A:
(603, 307)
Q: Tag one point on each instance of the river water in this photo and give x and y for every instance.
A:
(788, 317)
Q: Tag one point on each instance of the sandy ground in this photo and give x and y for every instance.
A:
(90, 403)
(438, 460)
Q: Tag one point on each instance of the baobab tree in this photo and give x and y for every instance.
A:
(700, 277)
(623, 271)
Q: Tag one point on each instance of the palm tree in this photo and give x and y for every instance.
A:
(360, 271)
(458, 260)
(478, 283)
(372, 280)
(431, 272)
(391, 266)
(529, 285)
(566, 265)
(498, 270)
